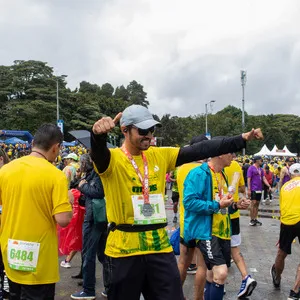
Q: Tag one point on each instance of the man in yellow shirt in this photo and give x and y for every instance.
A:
(34, 198)
(235, 177)
(140, 257)
(289, 228)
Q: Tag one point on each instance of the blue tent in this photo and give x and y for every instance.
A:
(14, 141)
(69, 144)
(26, 135)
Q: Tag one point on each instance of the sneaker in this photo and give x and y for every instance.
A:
(104, 294)
(252, 223)
(257, 222)
(175, 219)
(65, 264)
(247, 287)
(82, 295)
(192, 269)
(276, 281)
(294, 296)
(263, 202)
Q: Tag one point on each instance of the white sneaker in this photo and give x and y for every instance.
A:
(65, 264)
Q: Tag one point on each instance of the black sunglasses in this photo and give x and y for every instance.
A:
(144, 132)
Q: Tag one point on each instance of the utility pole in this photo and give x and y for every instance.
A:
(243, 83)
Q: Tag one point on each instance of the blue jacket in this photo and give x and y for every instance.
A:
(199, 205)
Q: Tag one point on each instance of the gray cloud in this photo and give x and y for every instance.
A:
(185, 54)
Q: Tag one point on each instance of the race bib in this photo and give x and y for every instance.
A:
(22, 255)
(158, 205)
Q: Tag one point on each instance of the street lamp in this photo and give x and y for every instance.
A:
(57, 98)
(206, 113)
(243, 83)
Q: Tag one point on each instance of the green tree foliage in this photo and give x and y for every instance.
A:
(28, 99)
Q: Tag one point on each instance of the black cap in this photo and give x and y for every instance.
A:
(256, 157)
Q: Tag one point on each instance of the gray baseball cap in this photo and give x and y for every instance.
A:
(138, 116)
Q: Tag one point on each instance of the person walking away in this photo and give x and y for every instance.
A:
(140, 257)
(256, 178)
(34, 198)
(271, 180)
(289, 229)
(175, 194)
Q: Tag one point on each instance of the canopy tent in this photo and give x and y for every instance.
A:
(84, 137)
(288, 152)
(264, 151)
(26, 135)
(281, 152)
(69, 144)
(14, 141)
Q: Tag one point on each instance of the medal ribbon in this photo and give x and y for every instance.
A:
(219, 183)
(145, 181)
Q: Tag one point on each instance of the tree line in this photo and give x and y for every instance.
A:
(28, 99)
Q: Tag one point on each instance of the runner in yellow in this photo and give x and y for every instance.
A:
(248, 283)
(140, 258)
(34, 198)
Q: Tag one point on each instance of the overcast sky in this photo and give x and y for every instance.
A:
(184, 53)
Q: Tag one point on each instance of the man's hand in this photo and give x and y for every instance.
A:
(225, 201)
(243, 203)
(253, 134)
(249, 194)
(106, 124)
(82, 182)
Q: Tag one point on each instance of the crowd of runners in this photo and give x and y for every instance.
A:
(109, 204)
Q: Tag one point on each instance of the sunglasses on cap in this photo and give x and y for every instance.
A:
(144, 132)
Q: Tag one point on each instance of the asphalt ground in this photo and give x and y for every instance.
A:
(258, 248)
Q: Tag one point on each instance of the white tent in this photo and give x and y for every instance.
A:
(288, 152)
(284, 152)
(264, 151)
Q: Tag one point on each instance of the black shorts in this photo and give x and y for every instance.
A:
(235, 226)
(255, 196)
(175, 197)
(189, 244)
(216, 252)
(156, 276)
(34, 292)
(287, 236)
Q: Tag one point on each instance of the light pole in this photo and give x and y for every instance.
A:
(57, 98)
(206, 113)
(243, 83)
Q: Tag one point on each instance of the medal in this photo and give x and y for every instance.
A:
(147, 210)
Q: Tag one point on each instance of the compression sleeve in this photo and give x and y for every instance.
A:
(210, 148)
(100, 154)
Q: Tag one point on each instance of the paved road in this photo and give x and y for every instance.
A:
(258, 248)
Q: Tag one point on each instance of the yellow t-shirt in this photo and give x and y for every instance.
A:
(289, 202)
(121, 182)
(229, 171)
(220, 223)
(32, 191)
(182, 172)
